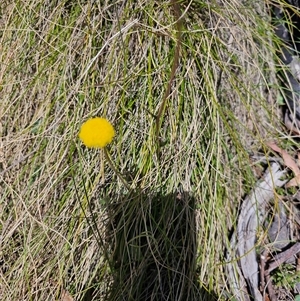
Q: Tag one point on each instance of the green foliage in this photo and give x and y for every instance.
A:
(286, 277)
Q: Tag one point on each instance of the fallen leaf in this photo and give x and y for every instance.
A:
(298, 157)
(293, 182)
(288, 159)
(289, 162)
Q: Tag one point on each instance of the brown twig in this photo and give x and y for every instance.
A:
(272, 294)
(275, 263)
(263, 259)
(162, 107)
(283, 257)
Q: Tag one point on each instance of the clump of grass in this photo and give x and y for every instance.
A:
(65, 61)
(153, 238)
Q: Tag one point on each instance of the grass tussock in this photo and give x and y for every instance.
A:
(65, 61)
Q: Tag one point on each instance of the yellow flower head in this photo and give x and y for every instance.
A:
(96, 132)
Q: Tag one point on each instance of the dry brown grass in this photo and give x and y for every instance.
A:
(65, 61)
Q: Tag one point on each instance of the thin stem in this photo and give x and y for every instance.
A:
(112, 166)
(163, 105)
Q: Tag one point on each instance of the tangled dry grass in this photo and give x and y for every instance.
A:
(65, 61)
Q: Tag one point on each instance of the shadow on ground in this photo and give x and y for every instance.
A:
(153, 245)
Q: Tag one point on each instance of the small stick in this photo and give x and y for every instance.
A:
(272, 294)
(276, 262)
(283, 257)
(263, 257)
(162, 107)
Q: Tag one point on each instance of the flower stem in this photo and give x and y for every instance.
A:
(113, 167)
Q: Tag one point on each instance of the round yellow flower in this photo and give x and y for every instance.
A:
(96, 132)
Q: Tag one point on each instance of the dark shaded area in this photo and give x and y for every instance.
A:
(153, 244)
